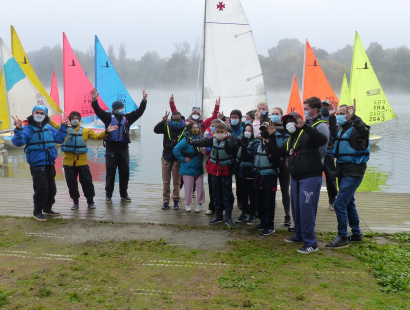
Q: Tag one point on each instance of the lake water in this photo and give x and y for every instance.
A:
(388, 168)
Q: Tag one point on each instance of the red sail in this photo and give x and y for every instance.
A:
(54, 95)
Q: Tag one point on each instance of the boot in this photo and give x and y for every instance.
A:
(218, 217)
(228, 219)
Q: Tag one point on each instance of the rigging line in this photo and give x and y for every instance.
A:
(232, 42)
(216, 23)
(233, 69)
(254, 77)
(237, 35)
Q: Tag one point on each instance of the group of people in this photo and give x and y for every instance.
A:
(263, 150)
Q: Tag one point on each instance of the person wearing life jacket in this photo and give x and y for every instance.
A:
(192, 168)
(40, 139)
(329, 160)
(117, 154)
(196, 114)
(75, 158)
(305, 168)
(223, 146)
(245, 173)
(352, 152)
(261, 116)
(173, 131)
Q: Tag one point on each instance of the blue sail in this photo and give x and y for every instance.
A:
(108, 82)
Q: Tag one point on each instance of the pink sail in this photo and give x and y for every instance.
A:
(77, 87)
(54, 95)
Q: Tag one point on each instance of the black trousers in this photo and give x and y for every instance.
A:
(265, 193)
(117, 159)
(222, 192)
(86, 180)
(239, 189)
(284, 181)
(211, 205)
(330, 173)
(248, 196)
(44, 186)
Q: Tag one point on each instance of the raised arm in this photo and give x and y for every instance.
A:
(133, 116)
(160, 127)
(204, 142)
(172, 104)
(21, 135)
(206, 123)
(104, 116)
(60, 135)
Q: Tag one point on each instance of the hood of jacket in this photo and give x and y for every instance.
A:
(32, 122)
(182, 125)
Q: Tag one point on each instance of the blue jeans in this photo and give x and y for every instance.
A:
(345, 207)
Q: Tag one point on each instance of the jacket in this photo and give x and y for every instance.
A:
(195, 166)
(324, 129)
(172, 136)
(44, 157)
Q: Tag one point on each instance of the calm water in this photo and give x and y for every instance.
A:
(388, 170)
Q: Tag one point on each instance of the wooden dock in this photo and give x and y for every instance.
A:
(379, 212)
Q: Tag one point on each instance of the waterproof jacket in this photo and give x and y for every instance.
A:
(359, 139)
(46, 156)
(131, 117)
(321, 125)
(195, 166)
(172, 135)
(72, 159)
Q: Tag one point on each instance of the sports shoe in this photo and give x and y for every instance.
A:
(338, 243)
(108, 200)
(267, 232)
(126, 198)
(176, 205)
(91, 205)
(258, 227)
(291, 229)
(354, 238)
(40, 217)
(198, 208)
(241, 218)
(286, 222)
(209, 212)
(332, 207)
(187, 208)
(292, 240)
(251, 220)
(307, 249)
(51, 212)
(74, 206)
(165, 206)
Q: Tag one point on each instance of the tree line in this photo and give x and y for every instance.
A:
(180, 70)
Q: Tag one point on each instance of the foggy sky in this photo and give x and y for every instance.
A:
(147, 25)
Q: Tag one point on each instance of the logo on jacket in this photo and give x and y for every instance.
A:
(307, 195)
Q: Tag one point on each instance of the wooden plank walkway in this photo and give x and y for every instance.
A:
(379, 212)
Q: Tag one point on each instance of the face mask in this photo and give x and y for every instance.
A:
(341, 120)
(235, 122)
(121, 112)
(75, 122)
(248, 122)
(213, 129)
(220, 136)
(324, 111)
(247, 134)
(290, 127)
(195, 116)
(275, 118)
(39, 118)
(195, 132)
(263, 112)
(307, 116)
(265, 134)
(176, 123)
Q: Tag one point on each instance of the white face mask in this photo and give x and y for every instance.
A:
(75, 122)
(247, 134)
(220, 136)
(291, 127)
(195, 116)
(39, 118)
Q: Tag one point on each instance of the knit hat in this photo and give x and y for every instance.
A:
(116, 105)
(41, 107)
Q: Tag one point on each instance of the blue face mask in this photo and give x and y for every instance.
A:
(121, 112)
(235, 122)
(247, 122)
(341, 120)
(212, 129)
(263, 112)
(176, 123)
(275, 118)
(307, 116)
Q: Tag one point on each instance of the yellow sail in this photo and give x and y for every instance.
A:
(4, 112)
(371, 102)
(21, 57)
(344, 97)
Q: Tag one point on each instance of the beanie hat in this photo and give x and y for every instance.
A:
(116, 105)
(41, 107)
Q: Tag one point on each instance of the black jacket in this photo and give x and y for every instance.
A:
(169, 144)
(358, 140)
(131, 117)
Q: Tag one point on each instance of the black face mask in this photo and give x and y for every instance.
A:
(265, 134)
(324, 111)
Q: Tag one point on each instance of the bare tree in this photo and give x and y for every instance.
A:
(122, 53)
(182, 48)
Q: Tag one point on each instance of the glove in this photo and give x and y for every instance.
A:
(188, 138)
(232, 140)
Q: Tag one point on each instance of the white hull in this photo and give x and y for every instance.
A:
(374, 139)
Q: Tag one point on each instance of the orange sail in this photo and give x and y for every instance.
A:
(315, 83)
(77, 87)
(294, 101)
(54, 95)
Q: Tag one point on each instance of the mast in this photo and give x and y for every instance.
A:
(203, 62)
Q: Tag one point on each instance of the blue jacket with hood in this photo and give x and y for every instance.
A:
(195, 167)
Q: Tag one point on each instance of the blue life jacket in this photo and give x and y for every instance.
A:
(118, 135)
(261, 164)
(75, 142)
(41, 140)
(345, 153)
(218, 153)
(281, 138)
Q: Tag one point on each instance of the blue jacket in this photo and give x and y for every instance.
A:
(39, 158)
(195, 167)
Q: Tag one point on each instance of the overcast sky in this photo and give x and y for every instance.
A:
(147, 25)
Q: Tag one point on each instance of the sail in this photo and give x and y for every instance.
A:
(77, 87)
(21, 94)
(21, 57)
(108, 82)
(231, 65)
(345, 93)
(371, 102)
(315, 83)
(54, 95)
(294, 100)
(4, 113)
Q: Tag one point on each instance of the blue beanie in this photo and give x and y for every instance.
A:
(41, 107)
(116, 105)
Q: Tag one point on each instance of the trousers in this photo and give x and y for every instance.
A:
(114, 159)
(44, 186)
(330, 173)
(222, 192)
(169, 168)
(86, 181)
(189, 181)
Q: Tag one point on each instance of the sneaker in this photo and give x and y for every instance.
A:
(251, 220)
(267, 232)
(108, 200)
(354, 238)
(51, 213)
(40, 217)
(209, 212)
(187, 208)
(74, 206)
(292, 240)
(332, 207)
(198, 208)
(291, 229)
(165, 206)
(307, 249)
(258, 227)
(176, 205)
(126, 198)
(286, 222)
(91, 205)
(241, 218)
(338, 243)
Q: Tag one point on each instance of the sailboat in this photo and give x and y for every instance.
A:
(109, 84)
(54, 95)
(294, 104)
(231, 68)
(315, 83)
(372, 104)
(344, 98)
